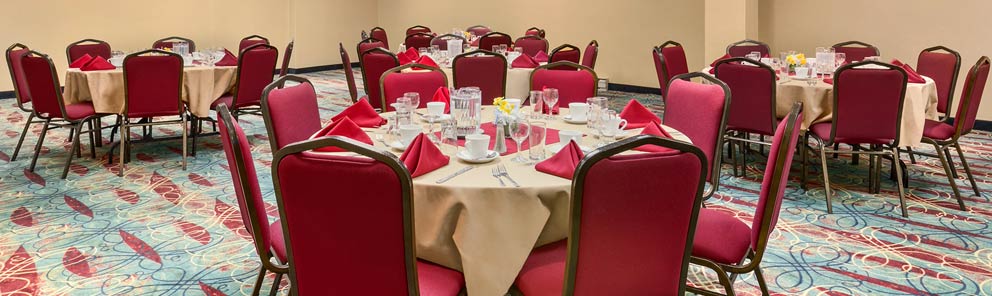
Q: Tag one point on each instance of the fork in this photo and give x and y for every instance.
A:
(496, 174)
(502, 172)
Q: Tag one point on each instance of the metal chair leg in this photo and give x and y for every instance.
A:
(20, 140)
(258, 281)
(912, 156)
(950, 161)
(805, 158)
(99, 131)
(37, 147)
(951, 180)
(855, 158)
(92, 140)
(967, 170)
(275, 285)
(761, 281)
(185, 144)
(902, 191)
(125, 136)
(826, 178)
(75, 147)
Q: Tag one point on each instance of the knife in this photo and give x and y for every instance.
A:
(455, 174)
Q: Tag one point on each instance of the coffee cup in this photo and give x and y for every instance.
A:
(477, 145)
(578, 111)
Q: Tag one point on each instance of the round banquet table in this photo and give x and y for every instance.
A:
(920, 105)
(471, 223)
(201, 86)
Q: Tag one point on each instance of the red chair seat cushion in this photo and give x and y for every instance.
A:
(938, 130)
(544, 271)
(436, 280)
(226, 99)
(720, 237)
(822, 131)
(79, 110)
(278, 243)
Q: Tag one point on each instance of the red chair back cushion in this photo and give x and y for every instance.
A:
(531, 46)
(246, 43)
(418, 41)
(93, 49)
(423, 83)
(487, 42)
(256, 68)
(744, 49)
(14, 61)
(697, 110)
(374, 63)
(381, 36)
(479, 31)
(855, 53)
(42, 86)
(589, 58)
(780, 141)
(940, 67)
(868, 103)
(253, 198)
(571, 55)
(752, 90)
(293, 114)
(675, 62)
(349, 74)
(976, 84)
(486, 72)
(573, 86)
(415, 30)
(154, 85)
(362, 47)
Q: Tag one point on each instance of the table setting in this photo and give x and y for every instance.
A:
(519, 65)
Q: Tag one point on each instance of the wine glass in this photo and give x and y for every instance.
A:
(414, 102)
(840, 58)
(503, 48)
(550, 99)
(519, 131)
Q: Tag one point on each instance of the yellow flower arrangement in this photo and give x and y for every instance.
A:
(796, 59)
(503, 106)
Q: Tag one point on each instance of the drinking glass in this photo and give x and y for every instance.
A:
(550, 99)
(537, 102)
(449, 137)
(777, 65)
(519, 130)
(402, 107)
(518, 49)
(839, 59)
(423, 51)
(414, 102)
(538, 131)
(607, 133)
(435, 49)
(754, 55)
(503, 48)
(597, 105)
(496, 48)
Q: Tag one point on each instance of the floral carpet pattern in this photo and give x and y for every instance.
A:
(160, 230)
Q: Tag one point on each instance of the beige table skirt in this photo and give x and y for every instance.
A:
(201, 86)
(472, 224)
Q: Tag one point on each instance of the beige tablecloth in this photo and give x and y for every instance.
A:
(202, 85)
(472, 224)
(920, 105)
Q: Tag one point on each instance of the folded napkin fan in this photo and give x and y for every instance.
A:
(541, 57)
(427, 61)
(362, 114)
(81, 61)
(408, 56)
(422, 157)
(96, 64)
(713, 64)
(563, 163)
(346, 128)
(637, 115)
(524, 61)
(443, 95)
(911, 75)
(655, 129)
(228, 60)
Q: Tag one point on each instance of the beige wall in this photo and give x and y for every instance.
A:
(899, 28)
(626, 30)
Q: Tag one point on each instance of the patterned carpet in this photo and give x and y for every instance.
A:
(164, 231)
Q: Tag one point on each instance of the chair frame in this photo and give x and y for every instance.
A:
(406, 182)
(365, 80)
(740, 138)
(753, 256)
(748, 42)
(416, 27)
(407, 38)
(358, 46)
(454, 69)
(90, 40)
(595, 57)
(717, 160)
(352, 87)
(192, 45)
(285, 59)
(384, 42)
(540, 32)
(950, 97)
(125, 121)
(664, 63)
(265, 257)
(875, 152)
(551, 57)
(398, 70)
(859, 43)
(578, 193)
(469, 29)
(546, 43)
(260, 37)
(267, 114)
(234, 100)
(551, 66)
(21, 103)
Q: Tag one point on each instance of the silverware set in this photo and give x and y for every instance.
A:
(500, 171)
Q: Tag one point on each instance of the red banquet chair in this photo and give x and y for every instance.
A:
(746, 46)
(380, 34)
(417, 29)
(394, 83)
(722, 241)
(483, 69)
(349, 74)
(479, 30)
(267, 238)
(752, 105)
(534, 31)
(168, 42)
(374, 62)
(43, 85)
(867, 112)
(369, 43)
(255, 67)
(700, 112)
(251, 40)
(285, 59)
(941, 64)
(487, 41)
(531, 44)
(625, 238)
(943, 135)
(153, 87)
(291, 114)
(418, 40)
(669, 61)
(22, 96)
(856, 51)
(589, 57)
(92, 47)
(573, 86)
(565, 52)
(442, 41)
(330, 254)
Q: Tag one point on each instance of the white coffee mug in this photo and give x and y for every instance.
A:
(435, 108)
(566, 136)
(477, 145)
(617, 122)
(515, 103)
(802, 72)
(408, 132)
(578, 111)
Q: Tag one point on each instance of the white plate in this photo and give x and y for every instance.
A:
(554, 148)
(397, 145)
(568, 119)
(440, 119)
(490, 156)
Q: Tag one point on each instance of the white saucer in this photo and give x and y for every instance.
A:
(624, 134)
(554, 148)
(568, 119)
(397, 145)
(490, 156)
(439, 119)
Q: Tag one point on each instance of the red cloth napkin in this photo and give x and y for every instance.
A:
(541, 57)
(425, 60)
(655, 129)
(362, 114)
(524, 61)
(912, 76)
(563, 163)
(81, 61)
(423, 157)
(228, 60)
(443, 95)
(637, 115)
(828, 81)
(408, 56)
(344, 127)
(713, 64)
(96, 64)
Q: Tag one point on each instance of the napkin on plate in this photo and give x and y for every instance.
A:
(637, 115)
(228, 60)
(344, 127)
(443, 95)
(541, 57)
(911, 75)
(81, 61)
(655, 129)
(427, 61)
(96, 64)
(524, 61)
(713, 64)
(563, 163)
(362, 114)
(422, 157)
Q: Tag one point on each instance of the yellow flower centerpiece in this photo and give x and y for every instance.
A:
(506, 114)
(503, 106)
(795, 60)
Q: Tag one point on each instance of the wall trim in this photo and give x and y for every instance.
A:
(634, 88)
